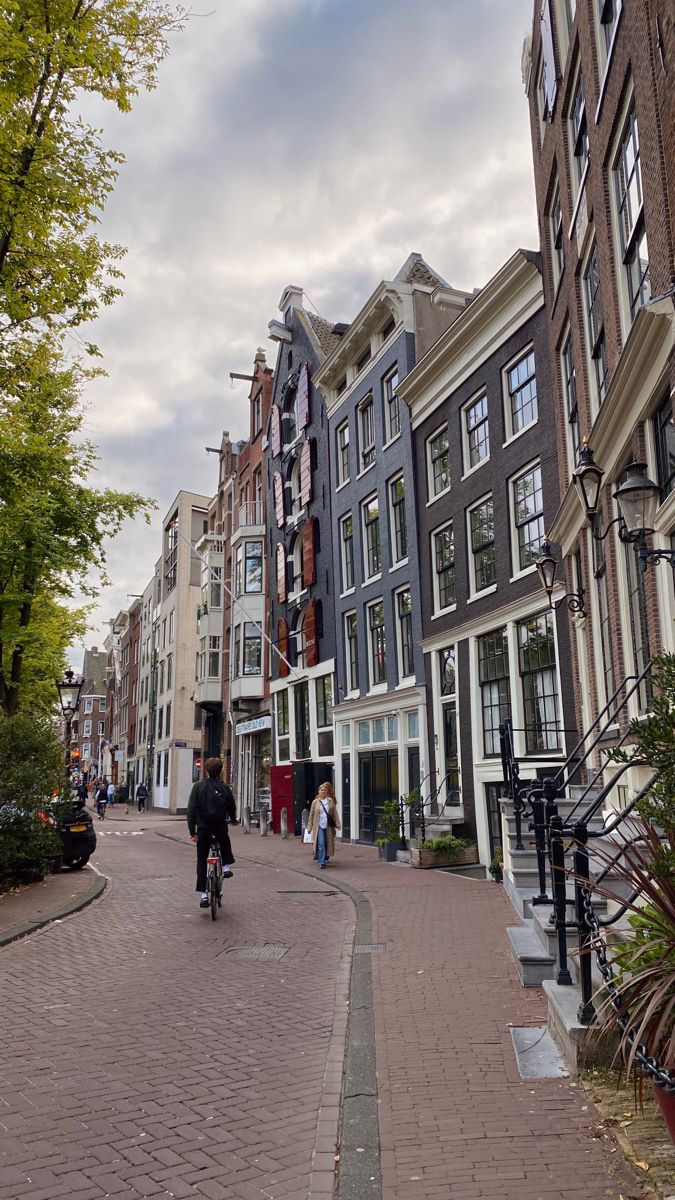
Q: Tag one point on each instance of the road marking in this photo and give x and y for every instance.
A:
(119, 832)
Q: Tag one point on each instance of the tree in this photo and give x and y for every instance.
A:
(55, 175)
(53, 523)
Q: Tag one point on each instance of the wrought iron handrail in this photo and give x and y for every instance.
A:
(564, 780)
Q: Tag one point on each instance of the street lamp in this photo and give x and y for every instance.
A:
(69, 689)
(547, 566)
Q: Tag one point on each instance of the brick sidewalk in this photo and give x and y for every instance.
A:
(109, 1084)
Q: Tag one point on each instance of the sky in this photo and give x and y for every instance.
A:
(314, 142)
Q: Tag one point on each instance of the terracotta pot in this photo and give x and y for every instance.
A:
(666, 1102)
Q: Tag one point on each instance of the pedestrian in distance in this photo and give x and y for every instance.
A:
(111, 794)
(141, 796)
(322, 823)
(210, 807)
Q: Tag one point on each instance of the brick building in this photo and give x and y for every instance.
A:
(600, 81)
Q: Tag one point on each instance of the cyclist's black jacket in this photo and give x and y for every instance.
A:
(211, 805)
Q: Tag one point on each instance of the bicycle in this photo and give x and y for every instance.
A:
(214, 877)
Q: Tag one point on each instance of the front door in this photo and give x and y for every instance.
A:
(494, 814)
(346, 797)
(378, 781)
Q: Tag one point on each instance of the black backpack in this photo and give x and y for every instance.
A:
(215, 801)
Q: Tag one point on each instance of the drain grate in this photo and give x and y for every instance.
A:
(370, 948)
(259, 953)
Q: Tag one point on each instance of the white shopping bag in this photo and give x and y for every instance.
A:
(307, 837)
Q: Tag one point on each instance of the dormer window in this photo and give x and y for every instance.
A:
(364, 359)
(342, 385)
(389, 328)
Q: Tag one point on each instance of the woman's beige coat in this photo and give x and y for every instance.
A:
(313, 823)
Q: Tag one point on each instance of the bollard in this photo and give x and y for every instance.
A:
(284, 822)
(247, 819)
(263, 822)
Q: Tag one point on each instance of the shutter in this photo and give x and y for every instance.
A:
(276, 431)
(309, 553)
(278, 486)
(550, 74)
(311, 644)
(281, 572)
(302, 399)
(306, 473)
(282, 646)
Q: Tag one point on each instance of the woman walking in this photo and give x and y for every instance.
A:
(322, 823)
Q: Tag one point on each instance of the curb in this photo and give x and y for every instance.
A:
(73, 905)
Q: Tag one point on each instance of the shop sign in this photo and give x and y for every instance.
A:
(253, 726)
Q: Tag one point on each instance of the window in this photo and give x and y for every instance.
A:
(388, 328)
(556, 234)
(253, 567)
(88, 704)
(405, 637)
(364, 359)
(169, 671)
(438, 463)
(167, 720)
(102, 704)
(604, 626)
(257, 493)
(86, 751)
(569, 380)
(342, 445)
(595, 323)
(283, 743)
(215, 589)
(639, 637)
(324, 715)
(528, 499)
(664, 436)
(579, 133)
(158, 772)
(171, 556)
(342, 386)
(160, 723)
(628, 183)
(521, 382)
(493, 676)
(257, 413)
(482, 530)
(238, 570)
(392, 417)
(288, 421)
(214, 656)
(371, 531)
(172, 615)
(166, 768)
(446, 663)
(86, 728)
(539, 678)
(161, 677)
(101, 728)
(347, 552)
(301, 712)
(200, 667)
(252, 649)
(476, 433)
(164, 625)
(378, 649)
(324, 700)
(398, 523)
(351, 653)
(444, 562)
(236, 653)
(367, 433)
(610, 11)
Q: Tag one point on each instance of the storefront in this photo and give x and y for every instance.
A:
(252, 762)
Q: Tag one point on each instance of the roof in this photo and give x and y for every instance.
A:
(323, 332)
(416, 270)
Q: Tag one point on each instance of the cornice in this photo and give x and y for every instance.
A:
(514, 610)
(509, 299)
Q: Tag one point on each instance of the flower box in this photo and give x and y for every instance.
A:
(432, 858)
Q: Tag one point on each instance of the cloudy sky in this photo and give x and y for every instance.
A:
(315, 142)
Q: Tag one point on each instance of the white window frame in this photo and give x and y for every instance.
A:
(351, 689)
(86, 750)
(438, 609)
(577, 181)
(340, 448)
(474, 591)
(402, 675)
(380, 685)
(572, 451)
(367, 576)
(86, 729)
(88, 704)
(637, 232)
(512, 434)
(606, 45)
(556, 233)
(597, 395)
(517, 572)
(368, 403)
(432, 494)
(470, 467)
(101, 729)
(345, 588)
(391, 484)
(391, 434)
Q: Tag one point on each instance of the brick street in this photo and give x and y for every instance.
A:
(140, 1056)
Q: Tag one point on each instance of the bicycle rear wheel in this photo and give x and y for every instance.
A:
(213, 892)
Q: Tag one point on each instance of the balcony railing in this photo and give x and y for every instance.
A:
(250, 513)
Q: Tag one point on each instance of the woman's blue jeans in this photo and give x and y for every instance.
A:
(322, 846)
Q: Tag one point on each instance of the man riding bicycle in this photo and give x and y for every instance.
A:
(210, 807)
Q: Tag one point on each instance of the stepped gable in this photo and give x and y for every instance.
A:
(416, 270)
(323, 332)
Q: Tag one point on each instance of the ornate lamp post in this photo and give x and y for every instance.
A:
(69, 689)
(547, 565)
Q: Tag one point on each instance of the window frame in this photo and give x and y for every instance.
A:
(432, 458)
(517, 525)
(366, 430)
(398, 526)
(342, 453)
(512, 365)
(372, 543)
(480, 548)
(441, 567)
(252, 637)
(377, 645)
(596, 343)
(631, 231)
(488, 676)
(351, 634)
(346, 554)
(577, 119)
(469, 443)
(405, 645)
(392, 427)
(568, 378)
(542, 743)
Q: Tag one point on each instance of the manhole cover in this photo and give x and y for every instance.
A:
(372, 948)
(259, 952)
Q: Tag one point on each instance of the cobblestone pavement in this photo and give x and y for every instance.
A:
(141, 1058)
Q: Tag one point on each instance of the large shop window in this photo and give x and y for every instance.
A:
(536, 650)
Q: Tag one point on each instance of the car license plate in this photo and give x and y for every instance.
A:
(78, 829)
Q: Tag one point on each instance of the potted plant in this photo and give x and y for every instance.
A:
(445, 851)
(390, 827)
(496, 867)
